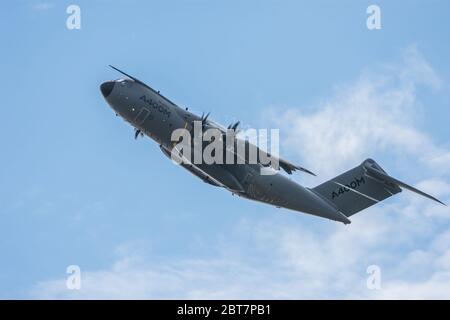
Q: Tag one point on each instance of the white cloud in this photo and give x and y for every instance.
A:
(377, 113)
(287, 260)
(407, 236)
(425, 274)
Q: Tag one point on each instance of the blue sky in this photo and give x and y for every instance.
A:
(76, 188)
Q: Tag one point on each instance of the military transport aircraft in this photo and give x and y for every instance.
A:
(152, 114)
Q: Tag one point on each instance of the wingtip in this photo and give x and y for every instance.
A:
(307, 171)
(296, 167)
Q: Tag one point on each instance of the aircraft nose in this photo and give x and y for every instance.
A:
(106, 88)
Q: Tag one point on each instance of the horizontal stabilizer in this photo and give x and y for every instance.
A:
(362, 187)
(372, 171)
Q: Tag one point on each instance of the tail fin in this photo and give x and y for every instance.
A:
(362, 187)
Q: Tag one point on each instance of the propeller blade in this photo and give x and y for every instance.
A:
(203, 119)
(132, 78)
(136, 134)
(236, 125)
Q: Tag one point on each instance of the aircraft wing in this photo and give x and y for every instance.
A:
(196, 170)
(284, 164)
(289, 167)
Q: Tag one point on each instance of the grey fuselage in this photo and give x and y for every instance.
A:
(156, 116)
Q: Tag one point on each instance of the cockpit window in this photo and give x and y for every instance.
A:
(124, 83)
